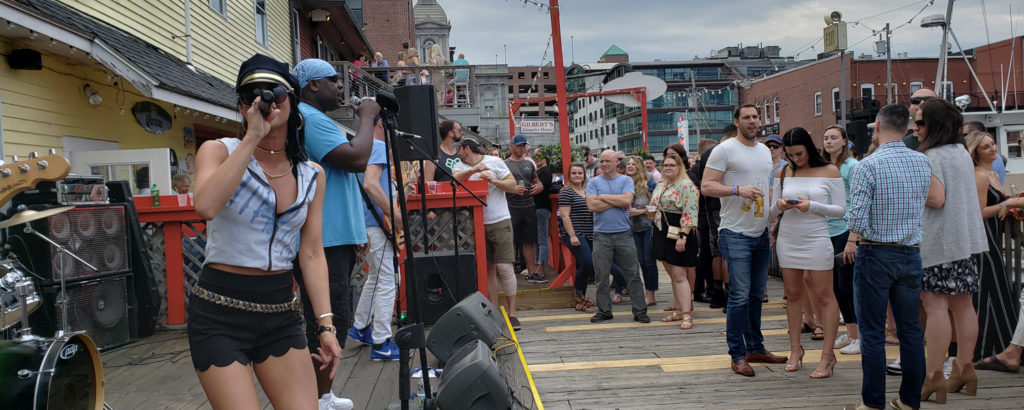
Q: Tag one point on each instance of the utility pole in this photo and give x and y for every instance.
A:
(943, 53)
(888, 67)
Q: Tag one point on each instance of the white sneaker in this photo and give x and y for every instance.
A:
(525, 272)
(852, 348)
(331, 402)
(947, 367)
(841, 320)
(842, 341)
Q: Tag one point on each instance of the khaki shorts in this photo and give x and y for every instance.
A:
(498, 237)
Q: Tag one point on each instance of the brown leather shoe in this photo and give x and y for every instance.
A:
(766, 357)
(742, 368)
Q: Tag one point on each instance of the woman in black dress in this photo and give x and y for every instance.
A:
(996, 304)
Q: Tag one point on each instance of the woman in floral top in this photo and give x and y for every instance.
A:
(675, 199)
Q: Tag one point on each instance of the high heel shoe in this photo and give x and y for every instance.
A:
(831, 367)
(965, 379)
(799, 362)
(934, 384)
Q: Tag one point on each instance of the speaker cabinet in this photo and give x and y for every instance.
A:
(472, 319)
(99, 307)
(472, 380)
(857, 132)
(442, 282)
(418, 115)
(97, 234)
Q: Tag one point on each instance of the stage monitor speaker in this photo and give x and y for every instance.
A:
(857, 133)
(418, 115)
(474, 318)
(443, 281)
(96, 234)
(472, 380)
(99, 307)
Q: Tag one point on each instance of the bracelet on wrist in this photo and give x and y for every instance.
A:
(735, 190)
(328, 314)
(326, 328)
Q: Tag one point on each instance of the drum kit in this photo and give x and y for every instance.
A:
(60, 372)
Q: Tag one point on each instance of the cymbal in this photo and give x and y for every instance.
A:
(30, 215)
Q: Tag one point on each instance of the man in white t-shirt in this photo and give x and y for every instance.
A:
(473, 166)
(737, 172)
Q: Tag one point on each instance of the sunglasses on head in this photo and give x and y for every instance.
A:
(248, 92)
(918, 100)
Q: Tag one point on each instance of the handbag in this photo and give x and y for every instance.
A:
(673, 232)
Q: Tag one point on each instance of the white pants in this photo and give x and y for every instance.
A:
(377, 300)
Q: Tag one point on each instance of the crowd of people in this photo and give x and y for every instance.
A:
(908, 233)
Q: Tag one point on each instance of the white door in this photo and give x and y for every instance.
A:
(140, 167)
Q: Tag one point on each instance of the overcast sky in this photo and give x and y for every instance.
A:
(680, 30)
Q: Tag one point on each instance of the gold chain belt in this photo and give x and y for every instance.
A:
(222, 300)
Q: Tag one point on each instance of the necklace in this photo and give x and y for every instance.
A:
(270, 151)
(272, 176)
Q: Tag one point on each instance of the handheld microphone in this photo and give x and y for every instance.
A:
(266, 98)
(384, 98)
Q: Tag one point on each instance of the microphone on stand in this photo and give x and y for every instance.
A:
(384, 98)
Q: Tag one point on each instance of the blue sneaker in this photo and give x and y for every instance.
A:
(387, 351)
(362, 336)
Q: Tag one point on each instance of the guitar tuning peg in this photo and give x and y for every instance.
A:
(33, 155)
(24, 168)
(14, 158)
(53, 151)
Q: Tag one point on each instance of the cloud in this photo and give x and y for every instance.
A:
(680, 30)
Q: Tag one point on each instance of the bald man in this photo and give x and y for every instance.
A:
(918, 97)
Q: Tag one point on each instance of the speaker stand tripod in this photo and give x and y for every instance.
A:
(62, 301)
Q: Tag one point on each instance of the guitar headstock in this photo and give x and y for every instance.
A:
(24, 175)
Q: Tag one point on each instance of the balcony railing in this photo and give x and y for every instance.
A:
(867, 108)
(455, 85)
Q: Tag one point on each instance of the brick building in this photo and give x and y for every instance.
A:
(388, 25)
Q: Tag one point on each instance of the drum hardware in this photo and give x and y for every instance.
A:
(14, 308)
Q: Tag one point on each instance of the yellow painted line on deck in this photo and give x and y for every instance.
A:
(526, 367)
(650, 312)
(693, 363)
(656, 321)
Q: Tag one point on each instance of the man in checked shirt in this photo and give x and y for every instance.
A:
(887, 197)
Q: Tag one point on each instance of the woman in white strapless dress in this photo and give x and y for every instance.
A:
(807, 191)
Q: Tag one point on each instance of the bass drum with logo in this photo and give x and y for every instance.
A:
(65, 374)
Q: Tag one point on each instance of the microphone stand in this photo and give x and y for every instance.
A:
(412, 336)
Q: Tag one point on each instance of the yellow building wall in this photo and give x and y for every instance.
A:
(219, 44)
(41, 106)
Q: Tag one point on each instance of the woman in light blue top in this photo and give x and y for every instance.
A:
(837, 151)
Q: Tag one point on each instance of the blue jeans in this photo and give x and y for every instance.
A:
(645, 255)
(748, 260)
(889, 275)
(585, 266)
(541, 252)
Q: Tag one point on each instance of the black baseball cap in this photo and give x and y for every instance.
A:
(472, 144)
(264, 69)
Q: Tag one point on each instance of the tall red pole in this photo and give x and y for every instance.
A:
(563, 110)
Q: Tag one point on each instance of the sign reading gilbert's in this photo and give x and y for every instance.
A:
(537, 126)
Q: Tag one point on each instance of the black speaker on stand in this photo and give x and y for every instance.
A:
(418, 116)
(857, 131)
(444, 279)
(143, 292)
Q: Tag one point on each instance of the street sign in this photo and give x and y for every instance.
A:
(537, 126)
(835, 37)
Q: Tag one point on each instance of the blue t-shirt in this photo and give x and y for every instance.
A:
(378, 156)
(837, 226)
(343, 204)
(612, 220)
(999, 167)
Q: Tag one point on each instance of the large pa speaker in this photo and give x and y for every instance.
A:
(472, 319)
(418, 115)
(472, 380)
(97, 234)
(143, 293)
(99, 307)
(857, 131)
(442, 282)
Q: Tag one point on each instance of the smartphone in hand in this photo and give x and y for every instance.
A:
(792, 201)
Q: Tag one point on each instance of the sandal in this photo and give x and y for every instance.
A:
(616, 299)
(993, 363)
(830, 366)
(687, 321)
(672, 318)
(819, 333)
(670, 308)
(790, 367)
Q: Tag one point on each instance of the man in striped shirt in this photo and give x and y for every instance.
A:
(887, 198)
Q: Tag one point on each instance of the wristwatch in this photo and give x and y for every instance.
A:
(326, 328)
